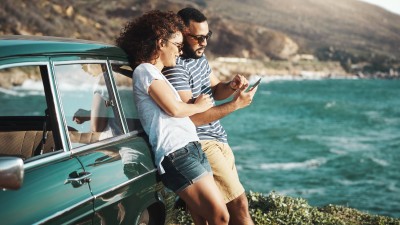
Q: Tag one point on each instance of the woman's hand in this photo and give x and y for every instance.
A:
(81, 116)
(204, 102)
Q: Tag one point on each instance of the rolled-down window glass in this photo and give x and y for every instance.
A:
(123, 78)
(89, 109)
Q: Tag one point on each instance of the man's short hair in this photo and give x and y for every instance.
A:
(188, 14)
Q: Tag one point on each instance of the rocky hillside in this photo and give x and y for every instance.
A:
(358, 35)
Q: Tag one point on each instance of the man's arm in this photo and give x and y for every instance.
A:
(223, 90)
(213, 114)
(240, 100)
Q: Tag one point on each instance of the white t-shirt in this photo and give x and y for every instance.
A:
(166, 133)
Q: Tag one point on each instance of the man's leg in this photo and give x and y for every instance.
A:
(222, 161)
(239, 211)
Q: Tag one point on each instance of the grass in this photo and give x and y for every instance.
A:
(276, 209)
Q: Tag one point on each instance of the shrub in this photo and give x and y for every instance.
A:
(276, 209)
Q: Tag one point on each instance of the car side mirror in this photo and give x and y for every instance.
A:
(11, 172)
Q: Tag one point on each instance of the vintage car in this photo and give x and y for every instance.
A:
(72, 149)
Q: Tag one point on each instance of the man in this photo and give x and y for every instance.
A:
(191, 77)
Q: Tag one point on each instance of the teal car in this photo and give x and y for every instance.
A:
(72, 149)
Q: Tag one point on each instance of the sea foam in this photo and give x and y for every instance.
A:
(308, 164)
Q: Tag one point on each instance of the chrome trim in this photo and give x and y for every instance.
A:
(61, 212)
(62, 124)
(52, 38)
(115, 94)
(87, 61)
(119, 62)
(33, 63)
(124, 184)
(96, 145)
(58, 156)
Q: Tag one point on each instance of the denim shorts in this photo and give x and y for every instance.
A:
(184, 167)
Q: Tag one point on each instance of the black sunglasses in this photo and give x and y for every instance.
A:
(201, 38)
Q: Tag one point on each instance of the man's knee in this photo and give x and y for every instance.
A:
(239, 204)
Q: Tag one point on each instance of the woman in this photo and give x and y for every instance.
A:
(152, 42)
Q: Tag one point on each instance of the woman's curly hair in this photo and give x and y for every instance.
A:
(139, 37)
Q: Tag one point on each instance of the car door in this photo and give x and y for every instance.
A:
(54, 189)
(122, 174)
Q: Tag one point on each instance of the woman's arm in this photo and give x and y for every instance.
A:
(162, 94)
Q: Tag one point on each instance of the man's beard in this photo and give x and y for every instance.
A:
(190, 53)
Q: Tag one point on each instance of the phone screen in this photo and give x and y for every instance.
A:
(255, 84)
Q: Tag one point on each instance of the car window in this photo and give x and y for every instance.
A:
(25, 128)
(88, 107)
(123, 79)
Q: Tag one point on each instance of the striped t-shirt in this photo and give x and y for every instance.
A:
(194, 75)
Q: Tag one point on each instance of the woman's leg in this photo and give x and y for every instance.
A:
(204, 199)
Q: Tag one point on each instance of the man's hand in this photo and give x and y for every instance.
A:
(242, 98)
(239, 82)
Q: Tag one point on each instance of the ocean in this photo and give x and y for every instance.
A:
(327, 141)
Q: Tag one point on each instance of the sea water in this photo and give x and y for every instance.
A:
(328, 141)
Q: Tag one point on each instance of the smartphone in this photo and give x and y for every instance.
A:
(255, 84)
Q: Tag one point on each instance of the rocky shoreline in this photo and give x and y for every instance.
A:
(225, 68)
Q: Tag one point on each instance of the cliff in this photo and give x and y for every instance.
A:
(363, 38)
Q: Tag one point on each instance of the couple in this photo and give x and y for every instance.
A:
(172, 105)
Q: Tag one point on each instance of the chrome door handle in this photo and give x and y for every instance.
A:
(78, 179)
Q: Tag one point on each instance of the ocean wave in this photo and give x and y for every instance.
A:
(311, 191)
(309, 164)
(305, 75)
(246, 145)
(21, 93)
(380, 162)
(390, 185)
(379, 117)
(330, 104)
(27, 88)
(337, 151)
(262, 92)
(341, 143)
(10, 92)
(33, 85)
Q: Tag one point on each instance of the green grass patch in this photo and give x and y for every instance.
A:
(276, 209)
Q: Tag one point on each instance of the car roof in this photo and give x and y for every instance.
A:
(19, 45)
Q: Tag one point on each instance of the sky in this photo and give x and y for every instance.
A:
(390, 5)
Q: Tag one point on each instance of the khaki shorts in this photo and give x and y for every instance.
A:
(222, 161)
